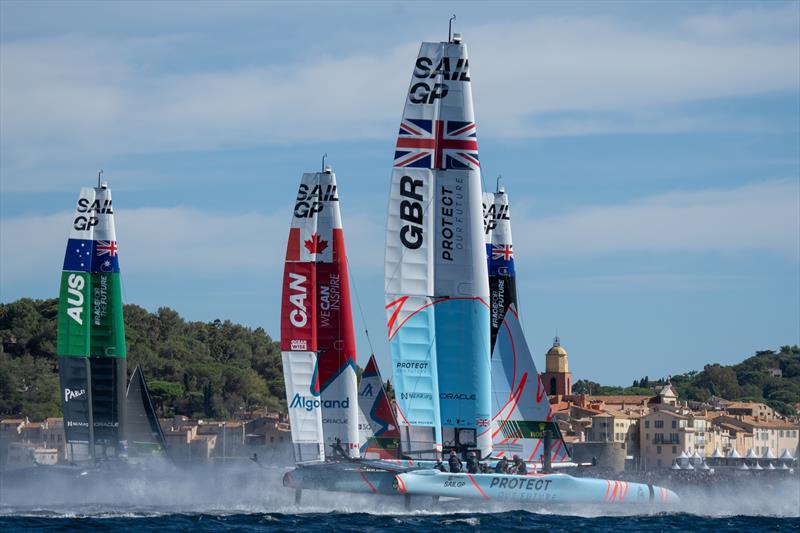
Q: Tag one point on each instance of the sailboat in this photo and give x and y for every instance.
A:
(521, 410)
(143, 432)
(91, 337)
(442, 319)
(436, 280)
(333, 423)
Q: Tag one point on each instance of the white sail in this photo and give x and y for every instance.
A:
(436, 279)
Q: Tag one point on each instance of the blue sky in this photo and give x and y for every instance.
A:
(651, 152)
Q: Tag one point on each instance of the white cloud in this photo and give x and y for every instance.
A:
(762, 217)
(178, 241)
(89, 95)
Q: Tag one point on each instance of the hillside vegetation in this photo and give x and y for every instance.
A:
(214, 369)
(771, 377)
(207, 370)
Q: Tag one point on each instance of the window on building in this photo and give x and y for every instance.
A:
(658, 462)
(553, 386)
(674, 449)
(647, 423)
(272, 439)
(659, 423)
(674, 424)
(658, 450)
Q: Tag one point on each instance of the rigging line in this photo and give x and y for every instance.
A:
(358, 302)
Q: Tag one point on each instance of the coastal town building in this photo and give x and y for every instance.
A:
(557, 379)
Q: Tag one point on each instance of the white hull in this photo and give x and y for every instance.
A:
(551, 488)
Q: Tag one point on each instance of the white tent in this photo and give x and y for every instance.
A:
(744, 466)
(751, 454)
(734, 454)
(787, 455)
(704, 466)
(676, 466)
(757, 467)
(770, 466)
(717, 454)
(768, 454)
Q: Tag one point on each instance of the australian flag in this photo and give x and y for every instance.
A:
(501, 259)
(437, 144)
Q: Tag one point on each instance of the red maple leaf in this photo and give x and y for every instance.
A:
(315, 245)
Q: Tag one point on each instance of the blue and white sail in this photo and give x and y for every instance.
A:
(521, 411)
(436, 279)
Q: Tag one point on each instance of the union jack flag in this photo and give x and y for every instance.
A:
(482, 422)
(439, 144)
(503, 251)
(106, 247)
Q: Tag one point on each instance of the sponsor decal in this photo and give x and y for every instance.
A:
(310, 200)
(415, 396)
(100, 301)
(420, 365)
(367, 391)
(329, 297)
(452, 209)
(309, 404)
(456, 396)
(70, 394)
(411, 212)
(299, 345)
(520, 483)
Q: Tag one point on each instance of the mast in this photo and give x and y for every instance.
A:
(436, 280)
(317, 339)
(91, 337)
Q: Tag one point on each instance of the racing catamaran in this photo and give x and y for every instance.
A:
(520, 407)
(91, 337)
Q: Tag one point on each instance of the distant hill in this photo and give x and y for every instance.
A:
(207, 370)
(769, 377)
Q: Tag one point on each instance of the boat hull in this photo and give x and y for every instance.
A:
(551, 488)
(340, 478)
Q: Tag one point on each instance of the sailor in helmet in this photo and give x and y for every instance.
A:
(454, 462)
(518, 466)
(473, 467)
(502, 466)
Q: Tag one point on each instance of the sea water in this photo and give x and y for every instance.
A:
(250, 498)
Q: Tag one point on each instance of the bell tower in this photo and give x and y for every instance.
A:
(557, 379)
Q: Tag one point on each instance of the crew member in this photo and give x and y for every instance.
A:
(338, 450)
(440, 466)
(454, 462)
(473, 467)
(519, 466)
(502, 466)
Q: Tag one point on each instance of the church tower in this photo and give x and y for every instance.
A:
(557, 379)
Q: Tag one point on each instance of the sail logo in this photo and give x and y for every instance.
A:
(310, 201)
(492, 214)
(298, 316)
(75, 284)
(411, 234)
(87, 220)
(424, 92)
(309, 404)
(367, 391)
(70, 394)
